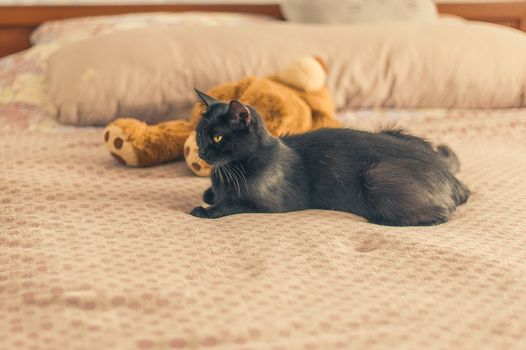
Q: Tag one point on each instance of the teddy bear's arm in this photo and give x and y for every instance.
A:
(134, 143)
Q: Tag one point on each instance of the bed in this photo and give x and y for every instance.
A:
(98, 255)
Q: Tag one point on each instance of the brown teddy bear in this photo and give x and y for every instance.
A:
(293, 101)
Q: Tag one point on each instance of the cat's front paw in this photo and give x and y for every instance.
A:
(200, 212)
(208, 196)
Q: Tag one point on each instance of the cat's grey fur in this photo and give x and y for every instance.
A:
(388, 177)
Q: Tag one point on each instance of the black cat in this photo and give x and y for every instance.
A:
(389, 177)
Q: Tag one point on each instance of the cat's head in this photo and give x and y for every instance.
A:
(227, 131)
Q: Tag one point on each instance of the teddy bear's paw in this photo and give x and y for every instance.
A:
(196, 164)
(120, 146)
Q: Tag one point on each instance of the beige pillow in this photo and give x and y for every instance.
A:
(150, 73)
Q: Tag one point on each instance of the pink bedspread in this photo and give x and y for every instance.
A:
(94, 255)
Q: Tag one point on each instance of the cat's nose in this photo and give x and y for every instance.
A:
(201, 154)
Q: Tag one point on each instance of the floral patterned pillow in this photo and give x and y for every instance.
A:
(23, 86)
(23, 89)
(75, 29)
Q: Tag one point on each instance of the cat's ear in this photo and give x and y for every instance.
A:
(207, 100)
(239, 113)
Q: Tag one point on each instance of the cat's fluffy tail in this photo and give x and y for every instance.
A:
(461, 192)
(445, 153)
(449, 158)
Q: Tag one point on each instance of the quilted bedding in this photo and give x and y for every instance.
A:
(98, 256)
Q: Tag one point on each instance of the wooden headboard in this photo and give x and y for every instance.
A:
(511, 14)
(17, 22)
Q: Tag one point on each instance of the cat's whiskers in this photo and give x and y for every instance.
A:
(218, 171)
(224, 174)
(240, 174)
(233, 176)
(229, 175)
(241, 177)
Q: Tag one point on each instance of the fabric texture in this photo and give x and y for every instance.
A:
(23, 89)
(96, 255)
(76, 29)
(23, 84)
(150, 73)
(358, 11)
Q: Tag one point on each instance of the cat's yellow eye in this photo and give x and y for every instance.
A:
(218, 138)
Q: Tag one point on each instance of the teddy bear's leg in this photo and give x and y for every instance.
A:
(322, 107)
(322, 120)
(167, 143)
(134, 143)
(119, 140)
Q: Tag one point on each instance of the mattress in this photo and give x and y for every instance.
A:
(97, 255)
